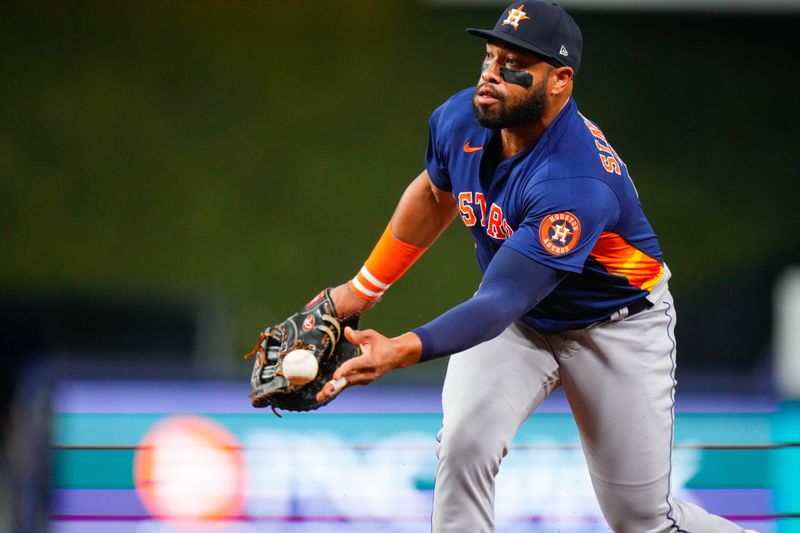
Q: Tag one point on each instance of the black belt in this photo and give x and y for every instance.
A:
(639, 306)
(636, 307)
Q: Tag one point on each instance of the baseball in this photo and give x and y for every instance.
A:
(300, 367)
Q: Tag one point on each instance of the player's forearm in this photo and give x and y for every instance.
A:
(422, 213)
(477, 320)
(513, 284)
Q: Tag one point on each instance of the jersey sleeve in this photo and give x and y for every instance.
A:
(436, 156)
(563, 220)
(512, 285)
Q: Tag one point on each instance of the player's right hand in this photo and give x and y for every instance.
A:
(379, 355)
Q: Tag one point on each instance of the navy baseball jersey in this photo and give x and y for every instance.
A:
(567, 202)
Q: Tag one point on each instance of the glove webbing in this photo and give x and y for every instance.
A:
(260, 349)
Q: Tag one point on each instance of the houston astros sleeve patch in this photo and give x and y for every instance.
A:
(559, 232)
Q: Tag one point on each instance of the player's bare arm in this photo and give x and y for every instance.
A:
(422, 214)
(295, 360)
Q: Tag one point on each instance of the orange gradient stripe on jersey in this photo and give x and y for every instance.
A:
(622, 259)
(389, 260)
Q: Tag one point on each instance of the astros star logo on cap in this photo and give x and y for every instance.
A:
(515, 16)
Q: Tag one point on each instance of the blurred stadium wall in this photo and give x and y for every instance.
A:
(211, 165)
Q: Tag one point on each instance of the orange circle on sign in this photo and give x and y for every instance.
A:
(189, 471)
(559, 232)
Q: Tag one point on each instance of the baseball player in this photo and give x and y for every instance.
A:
(574, 291)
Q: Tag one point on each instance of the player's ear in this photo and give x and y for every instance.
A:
(562, 79)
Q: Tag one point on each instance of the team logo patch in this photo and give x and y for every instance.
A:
(308, 323)
(515, 16)
(559, 232)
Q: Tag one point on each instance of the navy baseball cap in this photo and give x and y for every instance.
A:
(539, 27)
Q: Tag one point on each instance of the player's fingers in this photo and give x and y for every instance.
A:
(360, 378)
(353, 365)
(352, 335)
(332, 388)
(335, 386)
(358, 336)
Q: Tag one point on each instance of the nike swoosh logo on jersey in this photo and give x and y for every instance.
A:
(469, 149)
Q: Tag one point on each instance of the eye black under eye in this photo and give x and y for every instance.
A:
(517, 77)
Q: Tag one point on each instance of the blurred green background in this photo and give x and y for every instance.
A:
(250, 153)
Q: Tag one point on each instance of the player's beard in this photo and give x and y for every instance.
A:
(529, 110)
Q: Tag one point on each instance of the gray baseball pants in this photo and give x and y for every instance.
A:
(618, 377)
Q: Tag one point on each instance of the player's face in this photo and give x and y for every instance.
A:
(512, 89)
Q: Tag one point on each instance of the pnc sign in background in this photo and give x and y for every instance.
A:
(362, 464)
